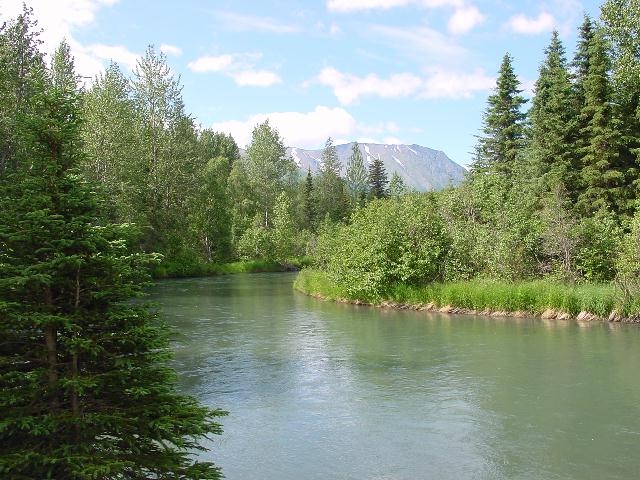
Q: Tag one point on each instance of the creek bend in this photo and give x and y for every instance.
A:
(318, 390)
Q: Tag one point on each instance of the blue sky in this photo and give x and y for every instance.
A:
(392, 71)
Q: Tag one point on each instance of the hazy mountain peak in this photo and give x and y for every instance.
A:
(421, 168)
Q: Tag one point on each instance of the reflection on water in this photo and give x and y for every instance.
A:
(318, 390)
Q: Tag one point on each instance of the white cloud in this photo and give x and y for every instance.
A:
(334, 29)
(170, 49)
(437, 83)
(465, 19)
(305, 130)
(59, 19)
(255, 78)
(237, 67)
(211, 64)
(419, 41)
(442, 83)
(348, 88)
(116, 53)
(356, 5)
(236, 21)
(520, 23)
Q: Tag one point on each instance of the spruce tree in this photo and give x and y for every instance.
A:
(621, 26)
(603, 176)
(553, 122)
(85, 389)
(582, 58)
(378, 179)
(308, 204)
(503, 130)
(356, 177)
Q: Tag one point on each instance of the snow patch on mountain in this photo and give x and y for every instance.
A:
(420, 167)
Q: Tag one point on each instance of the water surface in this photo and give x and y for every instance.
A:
(318, 390)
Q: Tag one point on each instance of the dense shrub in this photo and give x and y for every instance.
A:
(396, 240)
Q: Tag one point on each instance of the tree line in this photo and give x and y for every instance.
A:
(552, 191)
(86, 390)
(192, 194)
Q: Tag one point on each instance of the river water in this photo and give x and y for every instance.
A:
(318, 390)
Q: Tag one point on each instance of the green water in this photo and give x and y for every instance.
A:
(324, 391)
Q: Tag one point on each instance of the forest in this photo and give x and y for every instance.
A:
(107, 184)
(546, 219)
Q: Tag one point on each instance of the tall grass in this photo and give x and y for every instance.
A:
(533, 297)
(179, 269)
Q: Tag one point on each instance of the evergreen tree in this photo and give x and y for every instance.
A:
(330, 195)
(357, 177)
(378, 179)
(308, 204)
(621, 26)
(582, 59)
(503, 129)
(553, 121)
(603, 177)
(85, 390)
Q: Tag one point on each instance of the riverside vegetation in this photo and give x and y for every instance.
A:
(103, 185)
(547, 219)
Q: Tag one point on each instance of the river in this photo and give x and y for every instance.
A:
(318, 390)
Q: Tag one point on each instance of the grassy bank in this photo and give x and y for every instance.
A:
(541, 298)
(175, 269)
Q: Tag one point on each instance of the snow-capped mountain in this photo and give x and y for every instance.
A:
(421, 168)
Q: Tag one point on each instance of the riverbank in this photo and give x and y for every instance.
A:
(539, 298)
(203, 269)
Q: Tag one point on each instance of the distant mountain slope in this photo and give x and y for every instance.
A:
(421, 168)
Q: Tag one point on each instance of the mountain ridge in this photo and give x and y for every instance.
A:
(422, 168)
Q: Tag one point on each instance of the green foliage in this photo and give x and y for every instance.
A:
(603, 173)
(85, 388)
(628, 267)
(387, 241)
(308, 203)
(378, 179)
(357, 178)
(503, 129)
(269, 169)
(599, 245)
(20, 61)
(553, 120)
(621, 28)
(330, 195)
(528, 297)
(210, 212)
(397, 187)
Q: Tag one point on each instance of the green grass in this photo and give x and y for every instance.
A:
(533, 297)
(179, 269)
